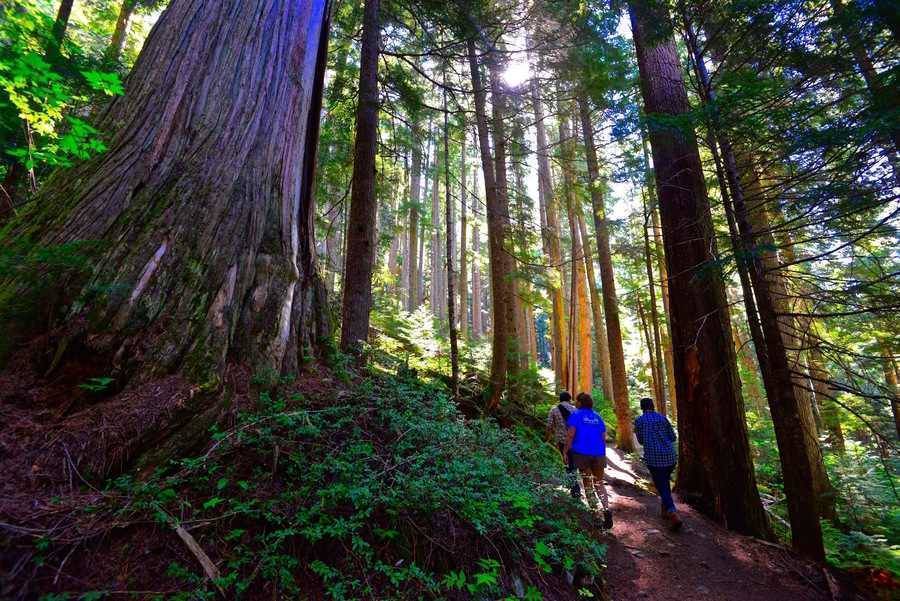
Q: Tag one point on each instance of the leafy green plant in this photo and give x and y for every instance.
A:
(96, 385)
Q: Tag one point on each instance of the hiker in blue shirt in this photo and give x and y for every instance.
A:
(655, 433)
(586, 439)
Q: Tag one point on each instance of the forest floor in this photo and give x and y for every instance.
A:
(701, 562)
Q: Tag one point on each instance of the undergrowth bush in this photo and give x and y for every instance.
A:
(387, 493)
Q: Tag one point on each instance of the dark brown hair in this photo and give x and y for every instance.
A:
(585, 400)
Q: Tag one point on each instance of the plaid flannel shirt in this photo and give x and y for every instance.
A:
(556, 424)
(656, 435)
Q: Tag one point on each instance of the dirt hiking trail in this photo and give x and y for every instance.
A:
(702, 562)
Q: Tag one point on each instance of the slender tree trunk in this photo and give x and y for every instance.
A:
(508, 284)
(415, 187)
(496, 237)
(60, 25)
(668, 355)
(451, 292)
(463, 242)
(580, 358)
(362, 242)
(660, 390)
(437, 297)
(891, 384)
(624, 428)
(120, 34)
(550, 238)
(715, 471)
(645, 330)
(477, 328)
(209, 238)
(831, 415)
(601, 339)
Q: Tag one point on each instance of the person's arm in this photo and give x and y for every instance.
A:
(548, 433)
(671, 430)
(638, 432)
(570, 436)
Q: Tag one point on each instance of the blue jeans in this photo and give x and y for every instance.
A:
(661, 477)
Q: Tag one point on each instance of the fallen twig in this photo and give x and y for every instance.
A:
(208, 566)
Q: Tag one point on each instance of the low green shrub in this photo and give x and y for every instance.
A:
(388, 493)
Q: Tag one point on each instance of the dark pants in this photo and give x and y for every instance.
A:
(571, 472)
(661, 476)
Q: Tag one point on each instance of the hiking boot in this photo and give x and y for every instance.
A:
(607, 520)
(674, 521)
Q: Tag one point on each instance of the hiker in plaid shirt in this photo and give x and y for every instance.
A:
(656, 435)
(557, 430)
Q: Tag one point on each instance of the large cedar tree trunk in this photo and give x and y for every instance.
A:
(202, 206)
(715, 472)
(359, 261)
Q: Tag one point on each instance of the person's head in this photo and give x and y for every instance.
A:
(585, 401)
(565, 397)
(647, 404)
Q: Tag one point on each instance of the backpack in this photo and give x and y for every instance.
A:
(564, 411)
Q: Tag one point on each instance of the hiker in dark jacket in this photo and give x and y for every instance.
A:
(655, 433)
(556, 434)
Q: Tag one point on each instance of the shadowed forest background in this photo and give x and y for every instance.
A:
(287, 289)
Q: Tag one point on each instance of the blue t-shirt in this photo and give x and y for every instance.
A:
(590, 433)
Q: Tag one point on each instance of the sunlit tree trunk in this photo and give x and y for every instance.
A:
(668, 355)
(715, 472)
(601, 340)
(451, 292)
(463, 241)
(437, 297)
(580, 356)
(659, 390)
(210, 237)
(477, 328)
(889, 367)
(648, 341)
(120, 33)
(362, 243)
(550, 238)
(624, 428)
(496, 225)
(415, 187)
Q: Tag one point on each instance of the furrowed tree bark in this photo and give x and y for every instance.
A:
(496, 231)
(624, 425)
(362, 242)
(715, 472)
(550, 238)
(206, 251)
